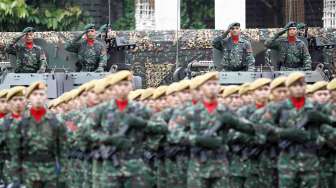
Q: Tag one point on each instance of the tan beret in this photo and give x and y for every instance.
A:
(293, 77)
(16, 91)
(222, 89)
(3, 93)
(309, 89)
(279, 81)
(133, 95)
(196, 82)
(182, 85)
(100, 86)
(244, 88)
(259, 83)
(147, 93)
(35, 86)
(120, 76)
(332, 85)
(206, 77)
(51, 104)
(160, 91)
(171, 88)
(90, 85)
(320, 85)
(229, 90)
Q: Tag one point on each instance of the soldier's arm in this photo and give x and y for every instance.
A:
(12, 47)
(249, 57)
(306, 58)
(217, 52)
(74, 45)
(157, 124)
(273, 42)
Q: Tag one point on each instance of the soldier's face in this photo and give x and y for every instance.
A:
(38, 98)
(297, 89)
(235, 31)
(196, 94)
(123, 88)
(292, 31)
(83, 97)
(3, 105)
(17, 104)
(29, 37)
(262, 93)
(235, 101)
(185, 95)
(173, 100)
(92, 98)
(210, 89)
(280, 94)
(321, 96)
(91, 34)
(110, 92)
(333, 96)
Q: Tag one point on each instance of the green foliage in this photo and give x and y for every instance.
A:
(197, 14)
(127, 22)
(47, 15)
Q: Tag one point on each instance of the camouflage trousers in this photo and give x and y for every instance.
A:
(97, 167)
(128, 174)
(294, 179)
(176, 172)
(76, 174)
(208, 174)
(87, 172)
(327, 174)
(160, 173)
(39, 175)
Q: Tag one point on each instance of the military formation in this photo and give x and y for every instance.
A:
(190, 134)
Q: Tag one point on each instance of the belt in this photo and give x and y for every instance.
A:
(40, 158)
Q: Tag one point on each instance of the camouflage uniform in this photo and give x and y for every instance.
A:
(208, 164)
(118, 137)
(291, 56)
(28, 60)
(40, 149)
(228, 56)
(90, 58)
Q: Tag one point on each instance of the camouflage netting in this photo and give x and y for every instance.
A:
(155, 57)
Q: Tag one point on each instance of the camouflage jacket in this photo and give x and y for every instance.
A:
(291, 56)
(228, 56)
(90, 58)
(28, 60)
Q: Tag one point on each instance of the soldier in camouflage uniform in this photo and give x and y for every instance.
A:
(233, 53)
(91, 52)
(41, 138)
(30, 58)
(118, 130)
(3, 53)
(293, 52)
(3, 103)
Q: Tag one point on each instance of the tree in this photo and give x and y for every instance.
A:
(197, 14)
(43, 15)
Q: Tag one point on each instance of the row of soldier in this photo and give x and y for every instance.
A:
(231, 52)
(194, 133)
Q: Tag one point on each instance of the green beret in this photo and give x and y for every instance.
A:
(28, 29)
(89, 26)
(234, 24)
(104, 28)
(300, 25)
(292, 24)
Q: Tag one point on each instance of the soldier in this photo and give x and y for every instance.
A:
(118, 130)
(232, 97)
(3, 103)
(30, 58)
(246, 94)
(135, 95)
(3, 53)
(293, 52)
(91, 52)
(233, 53)
(279, 91)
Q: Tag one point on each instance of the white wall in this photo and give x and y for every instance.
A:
(229, 11)
(167, 14)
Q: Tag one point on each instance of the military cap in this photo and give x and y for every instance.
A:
(3, 93)
(229, 90)
(133, 95)
(120, 76)
(16, 91)
(58, 101)
(293, 77)
(222, 89)
(171, 88)
(291, 24)
(259, 83)
(147, 93)
(89, 26)
(208, 76)
(100, 86)
(300, 25)
(183, 84)
(35, 86)
(51, 103)
(104, 28)
(160, 91)
(309, 89)
(66, 97)
(234, 24)
(244, 88)
(277, 82)
(28, 29)
(195, 82)
(332, 85)
(320, 85)
(90, 85)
